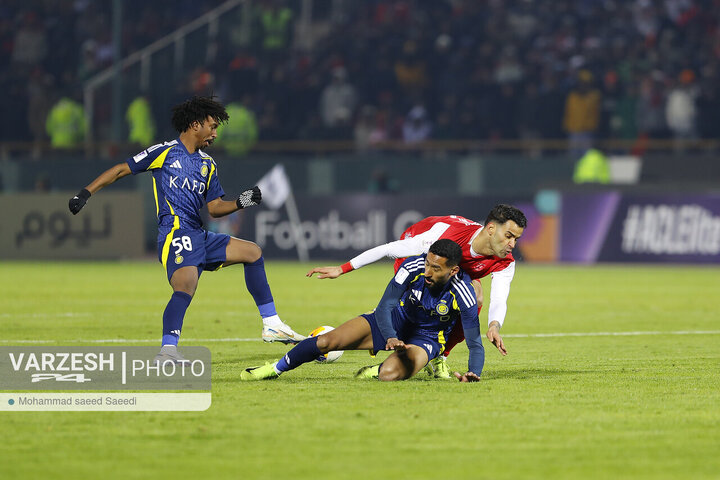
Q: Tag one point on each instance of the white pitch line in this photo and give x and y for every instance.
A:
(132, 340)
(257, 339)
(44, 315)
(610, 334)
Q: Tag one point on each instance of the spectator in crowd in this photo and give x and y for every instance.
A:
(582, 114)
(592, 167)
(411, 70)
(39, 91)
(275, 28)
(651, 106)
(680, 109)
(398, 54)
(30, 43)
(530, 116)
(364, 127)
(141, 124)
(240, 133)
(417, 126)
(66, 123)
(88, 64)
(338, 99)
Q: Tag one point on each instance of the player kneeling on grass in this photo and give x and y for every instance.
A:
(420, 306)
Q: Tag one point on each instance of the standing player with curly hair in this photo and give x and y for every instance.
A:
(184, 179)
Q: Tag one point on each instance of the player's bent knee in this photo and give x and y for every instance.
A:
(391, 373)
(255, 252)
(189, 289)
(327, 343)
(184, 281)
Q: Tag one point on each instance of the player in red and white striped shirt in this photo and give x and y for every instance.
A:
(487, 250)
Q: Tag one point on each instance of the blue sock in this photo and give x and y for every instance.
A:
(173, 317)
(258, 286)
(303, 352)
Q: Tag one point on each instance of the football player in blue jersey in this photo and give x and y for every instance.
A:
(184, 179)
(420, 306)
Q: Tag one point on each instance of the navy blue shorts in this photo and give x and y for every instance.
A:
(432, 344)
(192, 248)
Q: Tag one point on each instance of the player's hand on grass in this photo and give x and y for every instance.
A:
(249, 198)
(325, 272)
(77, 202)
(493, 334)
(468, 377)
(395, 344)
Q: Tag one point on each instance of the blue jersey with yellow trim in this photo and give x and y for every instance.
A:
(431, 312)
(182, 183)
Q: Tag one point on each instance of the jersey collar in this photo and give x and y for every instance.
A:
(473, 253)
(182, 145)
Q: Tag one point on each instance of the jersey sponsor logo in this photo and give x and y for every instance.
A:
(176, 164)
(140, 156)
(418, 294)
(193, 186)
(463, 220)
(429, 348)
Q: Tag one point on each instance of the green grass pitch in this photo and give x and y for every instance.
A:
(645, 404)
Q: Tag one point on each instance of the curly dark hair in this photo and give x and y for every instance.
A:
(448, 249)
(501, 213)
(197, 109)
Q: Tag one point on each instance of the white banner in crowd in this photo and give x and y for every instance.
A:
(275, 187)
(276, 191)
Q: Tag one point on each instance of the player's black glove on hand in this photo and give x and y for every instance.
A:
(249, 198)
(77, 202)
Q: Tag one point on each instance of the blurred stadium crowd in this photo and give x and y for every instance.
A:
(399, 69)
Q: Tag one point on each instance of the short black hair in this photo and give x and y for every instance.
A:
(501, 213)
(448, 249)
(197, 109)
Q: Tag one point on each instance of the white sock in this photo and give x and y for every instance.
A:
(272, 321)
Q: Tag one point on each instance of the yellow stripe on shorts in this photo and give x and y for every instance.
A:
(169, 237)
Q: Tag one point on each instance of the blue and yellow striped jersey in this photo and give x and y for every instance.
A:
(182, 183)
(432, 311)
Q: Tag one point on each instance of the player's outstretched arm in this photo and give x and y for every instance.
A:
(109, 176)
(476, 359)
(493, 334)
(326, 272)
(396, 249)
(249, 198)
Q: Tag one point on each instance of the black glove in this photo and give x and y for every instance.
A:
(77, 202)
(249, 198)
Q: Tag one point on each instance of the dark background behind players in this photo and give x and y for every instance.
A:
(481, 70)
